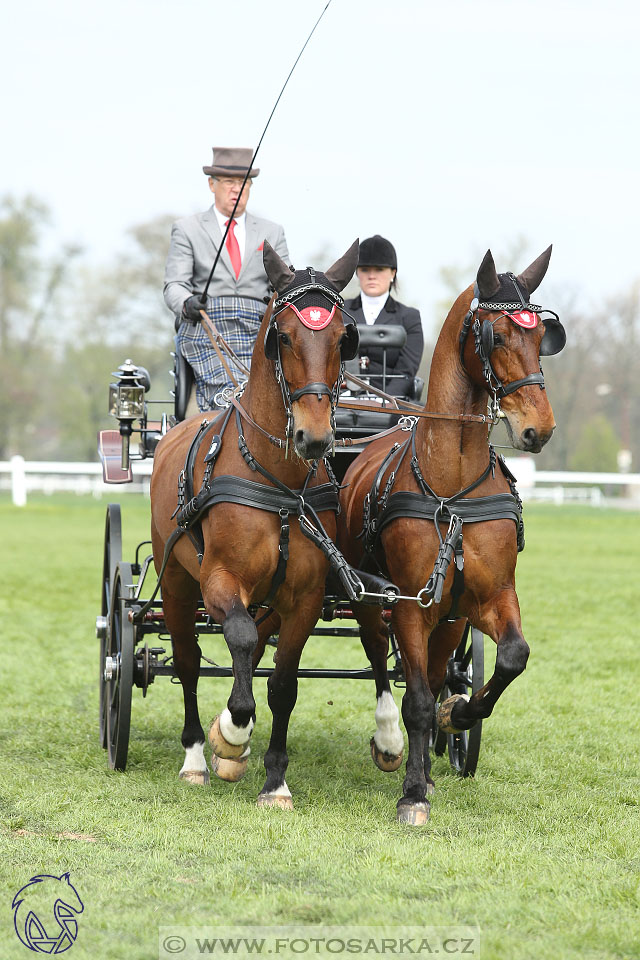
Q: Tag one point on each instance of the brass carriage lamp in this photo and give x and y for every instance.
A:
(126, 401)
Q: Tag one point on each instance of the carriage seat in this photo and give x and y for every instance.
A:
(184, 385)
(355, 423)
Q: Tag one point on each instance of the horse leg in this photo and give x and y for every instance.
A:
(417, 712)
(230, 769)
(180, 595)
(265, 629)
(282, 693)
(231, 730)
(443, 640)
(500, 619)
(387, 743)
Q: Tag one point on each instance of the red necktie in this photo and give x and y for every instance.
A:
(233, 249)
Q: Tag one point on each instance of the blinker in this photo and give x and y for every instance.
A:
(554, 338)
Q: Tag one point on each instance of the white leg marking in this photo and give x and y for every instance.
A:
(282, 791)
(194, 759)
(388, 735)
(231, 733)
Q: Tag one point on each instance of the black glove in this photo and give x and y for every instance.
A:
(191, 309)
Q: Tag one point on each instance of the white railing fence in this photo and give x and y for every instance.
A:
(555, 486)
(22, 476)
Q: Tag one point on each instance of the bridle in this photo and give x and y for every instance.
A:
(552, 342)
(348, 348)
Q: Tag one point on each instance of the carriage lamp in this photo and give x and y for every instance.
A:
(126, 401)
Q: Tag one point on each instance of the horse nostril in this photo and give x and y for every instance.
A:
(299, 437)
(530, 436)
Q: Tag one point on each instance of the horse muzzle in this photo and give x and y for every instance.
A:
(529, 440)
(310, 446)
(312, 421)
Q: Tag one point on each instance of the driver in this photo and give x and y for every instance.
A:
(239, 285)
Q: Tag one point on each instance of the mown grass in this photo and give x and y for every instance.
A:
(541, 850)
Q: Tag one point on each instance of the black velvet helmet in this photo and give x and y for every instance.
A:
(377, 252)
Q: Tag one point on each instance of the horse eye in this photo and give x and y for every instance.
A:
(284, 339)
(498, 340)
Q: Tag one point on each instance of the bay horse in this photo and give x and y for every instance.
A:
(396, 501)
(258, 472)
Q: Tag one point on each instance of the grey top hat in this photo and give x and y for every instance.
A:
(231, 162)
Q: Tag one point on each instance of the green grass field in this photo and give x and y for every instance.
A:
(541, 851)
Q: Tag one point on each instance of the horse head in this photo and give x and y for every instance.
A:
(510, 334)
(308, 341)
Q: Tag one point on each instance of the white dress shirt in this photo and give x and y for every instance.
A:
(240, 231)
(371, 306)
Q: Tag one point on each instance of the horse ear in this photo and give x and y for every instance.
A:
(533, 276)
(488, 282)
(276, 269)
(343, 269)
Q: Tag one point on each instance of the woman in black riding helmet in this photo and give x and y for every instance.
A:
(377, 267)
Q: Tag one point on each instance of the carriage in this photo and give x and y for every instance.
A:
(487, 353)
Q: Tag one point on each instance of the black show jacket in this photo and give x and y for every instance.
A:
(405, 361)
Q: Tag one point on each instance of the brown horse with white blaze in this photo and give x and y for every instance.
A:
(409, 501)
(251, 550)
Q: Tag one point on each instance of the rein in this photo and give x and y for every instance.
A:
(218, 342)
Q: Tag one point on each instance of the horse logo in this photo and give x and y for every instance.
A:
(43, 903)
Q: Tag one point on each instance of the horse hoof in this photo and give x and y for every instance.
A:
(414, 814)
(282, 801)
(221, 747)
(229, 770)
(385, 761)
(445, 710)
(200, 777)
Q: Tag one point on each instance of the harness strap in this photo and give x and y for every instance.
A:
(497, 506)
(435, 584)
(188, 513)
(283, 549)
(377, 514)
(249, 493)
(371, 507)
(317, 389)
(414, 411)
(139, 615)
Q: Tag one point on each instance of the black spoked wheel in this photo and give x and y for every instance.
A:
(111, 559)
(465, 674)
(118, 670)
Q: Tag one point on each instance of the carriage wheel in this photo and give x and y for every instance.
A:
(465, 674)
(111, 558)
(118, 671)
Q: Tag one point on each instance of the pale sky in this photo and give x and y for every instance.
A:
(447, 127)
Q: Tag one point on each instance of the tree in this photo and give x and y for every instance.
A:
(596, 447)
(29, 285)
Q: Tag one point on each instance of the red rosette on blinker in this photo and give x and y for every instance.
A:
(315, 318)
(524, 318)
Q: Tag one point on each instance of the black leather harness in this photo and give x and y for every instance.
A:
(381, 510)
(305, 504)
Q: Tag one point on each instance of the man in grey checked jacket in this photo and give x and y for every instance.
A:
(239, 285)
